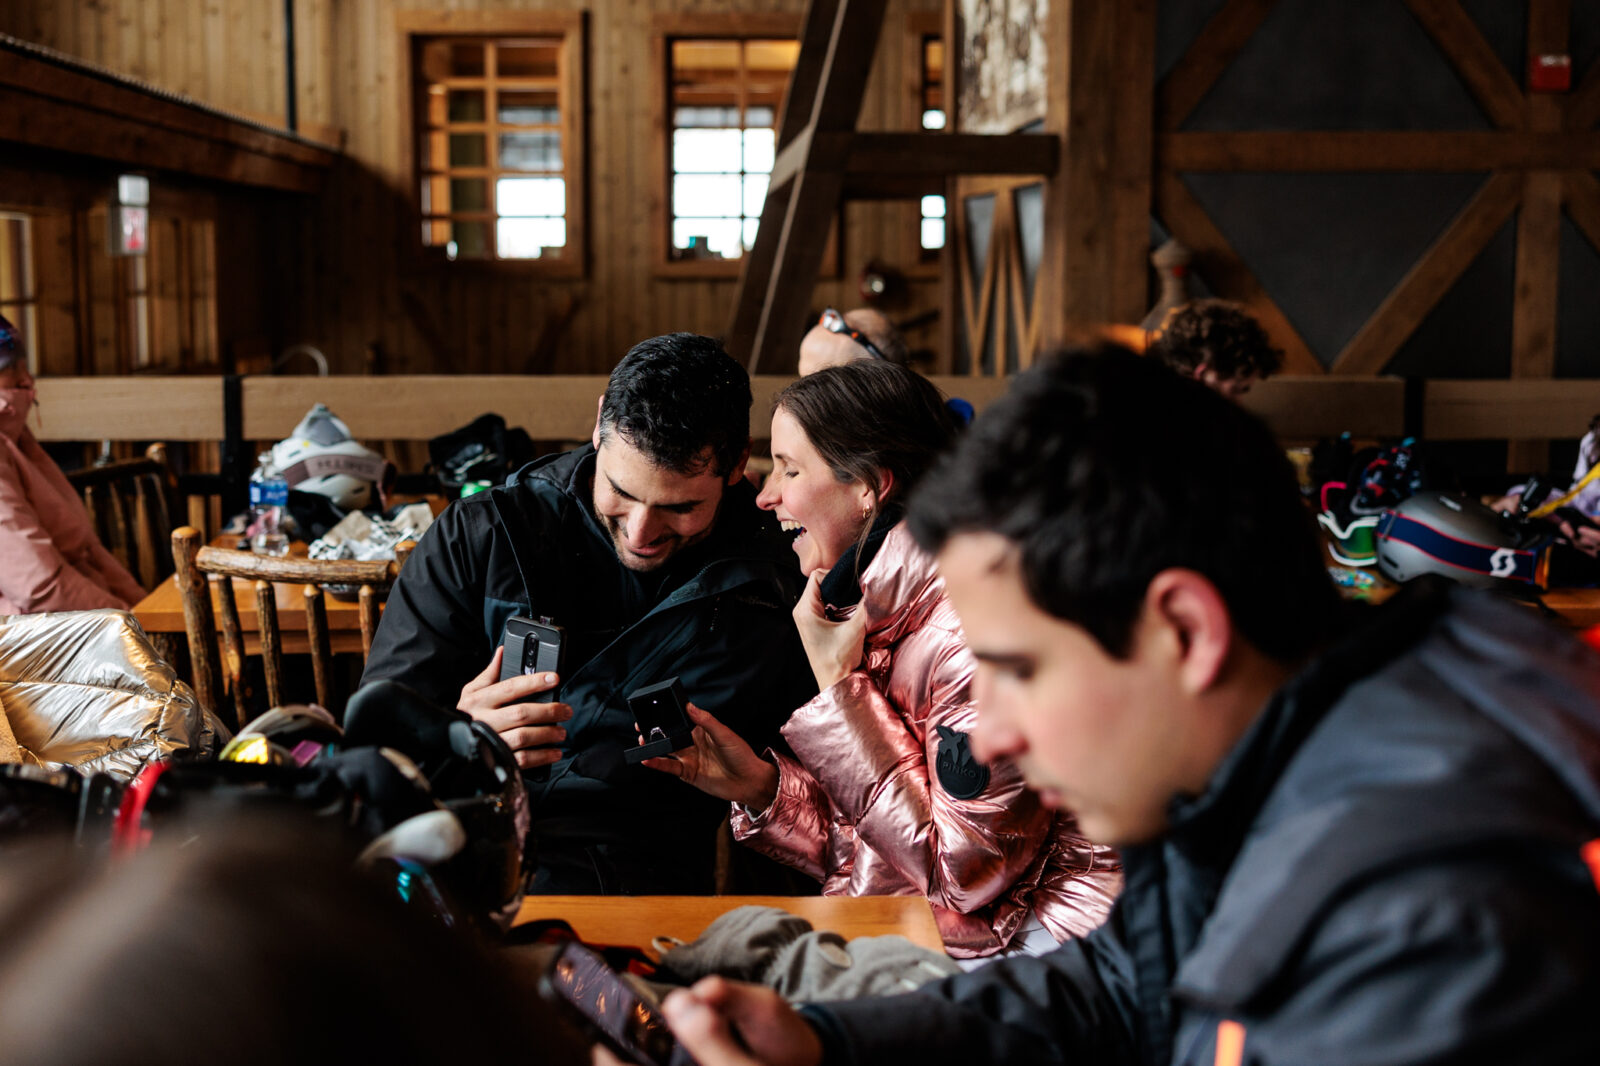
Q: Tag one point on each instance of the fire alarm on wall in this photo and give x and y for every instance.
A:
(1550, 73)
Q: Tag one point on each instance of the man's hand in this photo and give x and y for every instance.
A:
(529, 729)
(727, 1023)
(1585, 538)
(833, 648)
(721, 764)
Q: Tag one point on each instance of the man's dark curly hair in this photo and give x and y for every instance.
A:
(1217, 333)
(676, 395)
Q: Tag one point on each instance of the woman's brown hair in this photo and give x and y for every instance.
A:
(869, 416)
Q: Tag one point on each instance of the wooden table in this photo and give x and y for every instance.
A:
(634, 921)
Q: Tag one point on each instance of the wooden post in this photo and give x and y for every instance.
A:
(1538, 263)
(1097, 205)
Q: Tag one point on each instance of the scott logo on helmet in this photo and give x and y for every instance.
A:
(1503, 563)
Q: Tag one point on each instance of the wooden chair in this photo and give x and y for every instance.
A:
(202, 569)
(130, 507)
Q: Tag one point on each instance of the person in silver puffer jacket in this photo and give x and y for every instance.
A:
(85, 690)
(881, 795)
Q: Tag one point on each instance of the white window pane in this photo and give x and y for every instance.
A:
(933, 233)
(933, 120)
(755, 193)
(933, 207)
(760, 116)
(750, 227)
(705, 116)
(705, 151)
(759, 146)
(531, 196)
(526, 238)
(705, 195)
(719, 235)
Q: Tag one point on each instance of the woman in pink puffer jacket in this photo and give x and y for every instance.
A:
(881, 795)
(50, 559)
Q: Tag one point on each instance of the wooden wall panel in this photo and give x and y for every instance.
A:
(349, 291)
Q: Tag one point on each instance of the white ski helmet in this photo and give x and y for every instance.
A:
(319, 457)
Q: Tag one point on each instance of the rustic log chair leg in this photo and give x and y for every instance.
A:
(99, 521)
(271, 642)
(155, 526)
(232, 644)
(143, 541)
(121, 540)
(197, 507)
(369, 619)
(321, 645)
(198, 621)
(167, 647)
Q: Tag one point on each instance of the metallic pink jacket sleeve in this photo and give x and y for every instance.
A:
(794, 827)
(878, 771)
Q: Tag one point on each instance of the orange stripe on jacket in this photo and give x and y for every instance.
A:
(1230, 1043)
(1591, 857)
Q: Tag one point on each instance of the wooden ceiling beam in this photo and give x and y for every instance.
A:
(1581, 198)
(1376, 342)
(1536, 283)
(953, 154)
(1336, 151)
(1226, 273)
(55, 104)
(932, 156)
(777, 280)
(1474, 58)
(1583, 104)
(1214, 49)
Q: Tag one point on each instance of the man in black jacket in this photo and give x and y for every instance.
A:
(1346, 840)
(647, 548)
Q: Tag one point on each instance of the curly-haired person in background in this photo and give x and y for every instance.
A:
(1218, 344)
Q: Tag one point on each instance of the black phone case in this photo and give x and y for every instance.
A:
(548, 640)
(549, 644)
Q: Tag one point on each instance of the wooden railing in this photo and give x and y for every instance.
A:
(418, 407)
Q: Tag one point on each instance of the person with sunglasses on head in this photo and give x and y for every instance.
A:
(864, 333)
(50, 558)
(879, 792)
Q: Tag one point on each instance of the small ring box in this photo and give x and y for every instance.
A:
(663, 718)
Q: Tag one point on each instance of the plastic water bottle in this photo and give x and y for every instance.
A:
(269, 496)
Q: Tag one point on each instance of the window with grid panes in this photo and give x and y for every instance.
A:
(18, 299)
(495, 145)
(726, 94)
(933, 118)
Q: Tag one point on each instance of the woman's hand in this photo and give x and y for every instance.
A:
(721, 764)
(833, 648)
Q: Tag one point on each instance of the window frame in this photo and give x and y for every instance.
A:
(24, 309)
(920, 25)
(571, 27)
(665, 28)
